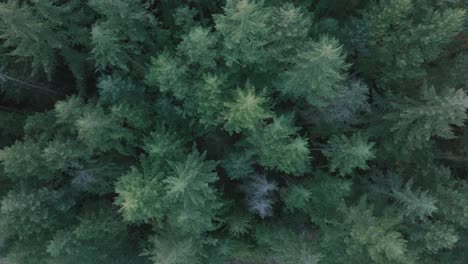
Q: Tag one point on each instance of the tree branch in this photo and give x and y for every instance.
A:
(30, 85)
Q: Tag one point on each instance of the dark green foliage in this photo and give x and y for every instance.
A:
(29, 214)
(398, 45)
(121, 45)
(288, 246)
(99, 237)
(236, 131)
(41, 32)
(29, 157)
(114, 88)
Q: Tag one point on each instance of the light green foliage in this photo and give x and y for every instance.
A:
(100, 132)
(417, 121)
(169, 75)
(277, 149)
(199, 47)
(412, 204)
(365, 238)
(376, 235)
(317, 73)
(68, 111)
(291, 26)
(190, 192)
(415, 204)
(162, 147)
(348, 153)
(140, 196)
(244, 43)
(246, 111)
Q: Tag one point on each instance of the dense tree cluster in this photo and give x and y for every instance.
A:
(233, 131)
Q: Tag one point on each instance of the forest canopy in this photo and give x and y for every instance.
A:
(233, 131)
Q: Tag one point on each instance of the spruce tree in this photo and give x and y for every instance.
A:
(237, 131)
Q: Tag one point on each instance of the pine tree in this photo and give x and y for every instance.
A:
(275, 147)
(45, 31)
(26, 214)
(199, 47)
(288, 246)
(246, 112)
(348, 153)
(189, 189)
(399, 45)
(364, 237)
(238, 131)
(168, 75)
(122, 45)
(317, 73)
(208, 99)
(433, 114)
(140, 197)
(24, 160)
(101, 132)
(114, 88)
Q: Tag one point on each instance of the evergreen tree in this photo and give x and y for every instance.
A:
(417, 121)
(398, 46)
(246, 112)
(346, 154)
(317, 73)
(237, 131)
(276, 149)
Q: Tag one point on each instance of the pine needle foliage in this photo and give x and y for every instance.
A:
(236, 131)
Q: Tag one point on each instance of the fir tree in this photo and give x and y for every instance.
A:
(237, 131)
(348, 153)
(276, 149)
(417, 121)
